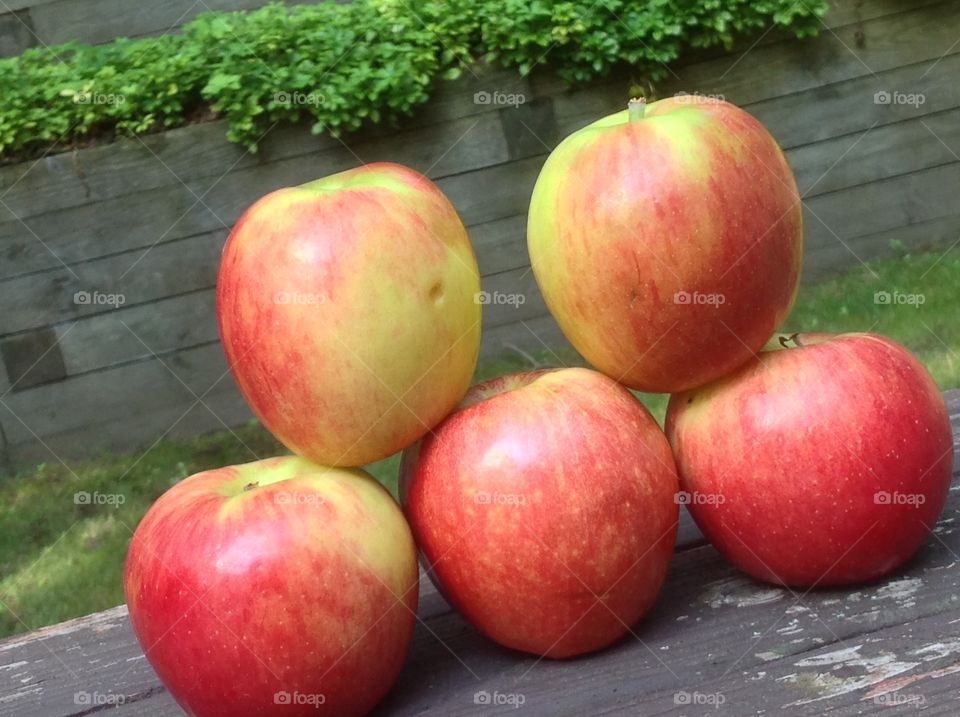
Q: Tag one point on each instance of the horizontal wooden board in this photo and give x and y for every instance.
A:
(98, 286)
(848, 107)
(888, 205)
(879, 153)
(769, 71)
(138, 332)
(135, 179)
(938, 234)
(136, 405)
(501, 244)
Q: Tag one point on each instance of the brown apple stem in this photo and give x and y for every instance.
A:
(636, 108)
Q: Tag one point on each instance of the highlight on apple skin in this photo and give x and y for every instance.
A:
(348, 312)
(667, 241)
(823, 462)
(545, 509)
(275, 588)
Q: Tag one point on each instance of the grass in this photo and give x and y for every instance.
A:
(61, 559)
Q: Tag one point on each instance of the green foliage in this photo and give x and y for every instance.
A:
(339, 66)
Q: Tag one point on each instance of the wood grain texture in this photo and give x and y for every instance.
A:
(716, 643)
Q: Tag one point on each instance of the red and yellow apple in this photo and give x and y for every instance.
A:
(667, 241)
(278, 587)
(824, 461)
(545, 509)
(348, 312)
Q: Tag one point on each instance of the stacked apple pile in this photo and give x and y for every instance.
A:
(667, 242)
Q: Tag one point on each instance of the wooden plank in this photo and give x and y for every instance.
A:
(511, 296)
(539, 333)
(501, 244)
(847, 107)
(137, 332)
(98, 286)
(889, 204)
(169, 323)
(131, 406)
(880, 153)
(769, 71)
(15, 33)
(506, 190)
(934, 235)
(91, 181)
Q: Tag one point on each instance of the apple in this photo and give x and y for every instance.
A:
(348, 312)
(667, 241)
(278, 587)
(545, 509)
(824, 461)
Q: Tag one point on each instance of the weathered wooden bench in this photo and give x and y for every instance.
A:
(716, 643)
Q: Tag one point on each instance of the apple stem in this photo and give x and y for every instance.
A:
(636, 108)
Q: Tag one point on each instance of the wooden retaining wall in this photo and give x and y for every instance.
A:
(145, 220)
(35, 23)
